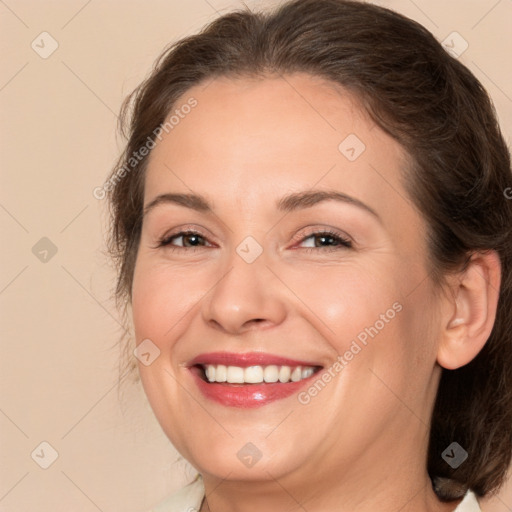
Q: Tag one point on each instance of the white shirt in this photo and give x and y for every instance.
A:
(189, 499)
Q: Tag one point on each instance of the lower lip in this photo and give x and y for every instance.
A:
(247, 395)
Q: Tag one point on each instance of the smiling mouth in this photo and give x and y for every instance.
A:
(257, 374)
(251, 379)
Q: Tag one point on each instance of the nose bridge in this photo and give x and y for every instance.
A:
(246, 291)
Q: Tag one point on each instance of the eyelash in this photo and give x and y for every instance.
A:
(343, 243)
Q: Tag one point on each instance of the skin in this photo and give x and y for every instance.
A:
(361, 443)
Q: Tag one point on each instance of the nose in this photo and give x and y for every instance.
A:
(247, 296)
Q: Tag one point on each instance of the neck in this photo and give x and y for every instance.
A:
(274, 496)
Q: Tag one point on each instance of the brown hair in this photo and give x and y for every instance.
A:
(459, 172)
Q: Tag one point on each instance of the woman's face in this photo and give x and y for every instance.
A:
(276, 276)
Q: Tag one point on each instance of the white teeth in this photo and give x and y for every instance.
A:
(210, 373)
(253, 374)
(307, 372)
(284, 374)
(235, 375)
(221, 373)
(296, 374)
(256, 374)
(271, 373)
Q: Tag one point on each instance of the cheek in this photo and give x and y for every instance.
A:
(345, 302)
(371, 318)
(160, 303)
(161, 300)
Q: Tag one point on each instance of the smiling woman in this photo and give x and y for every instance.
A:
(327, 222)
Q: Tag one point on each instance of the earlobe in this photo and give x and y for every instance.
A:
(471, 311)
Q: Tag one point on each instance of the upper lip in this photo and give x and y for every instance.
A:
(246, 359)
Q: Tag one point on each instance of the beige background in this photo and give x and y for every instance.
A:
(58, 323)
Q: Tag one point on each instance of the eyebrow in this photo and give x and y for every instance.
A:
(289, 203)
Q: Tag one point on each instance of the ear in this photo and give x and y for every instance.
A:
(470, 312)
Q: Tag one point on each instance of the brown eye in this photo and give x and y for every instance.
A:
(326, 239)
(189, 239)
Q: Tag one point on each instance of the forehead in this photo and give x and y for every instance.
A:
(248, 141)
